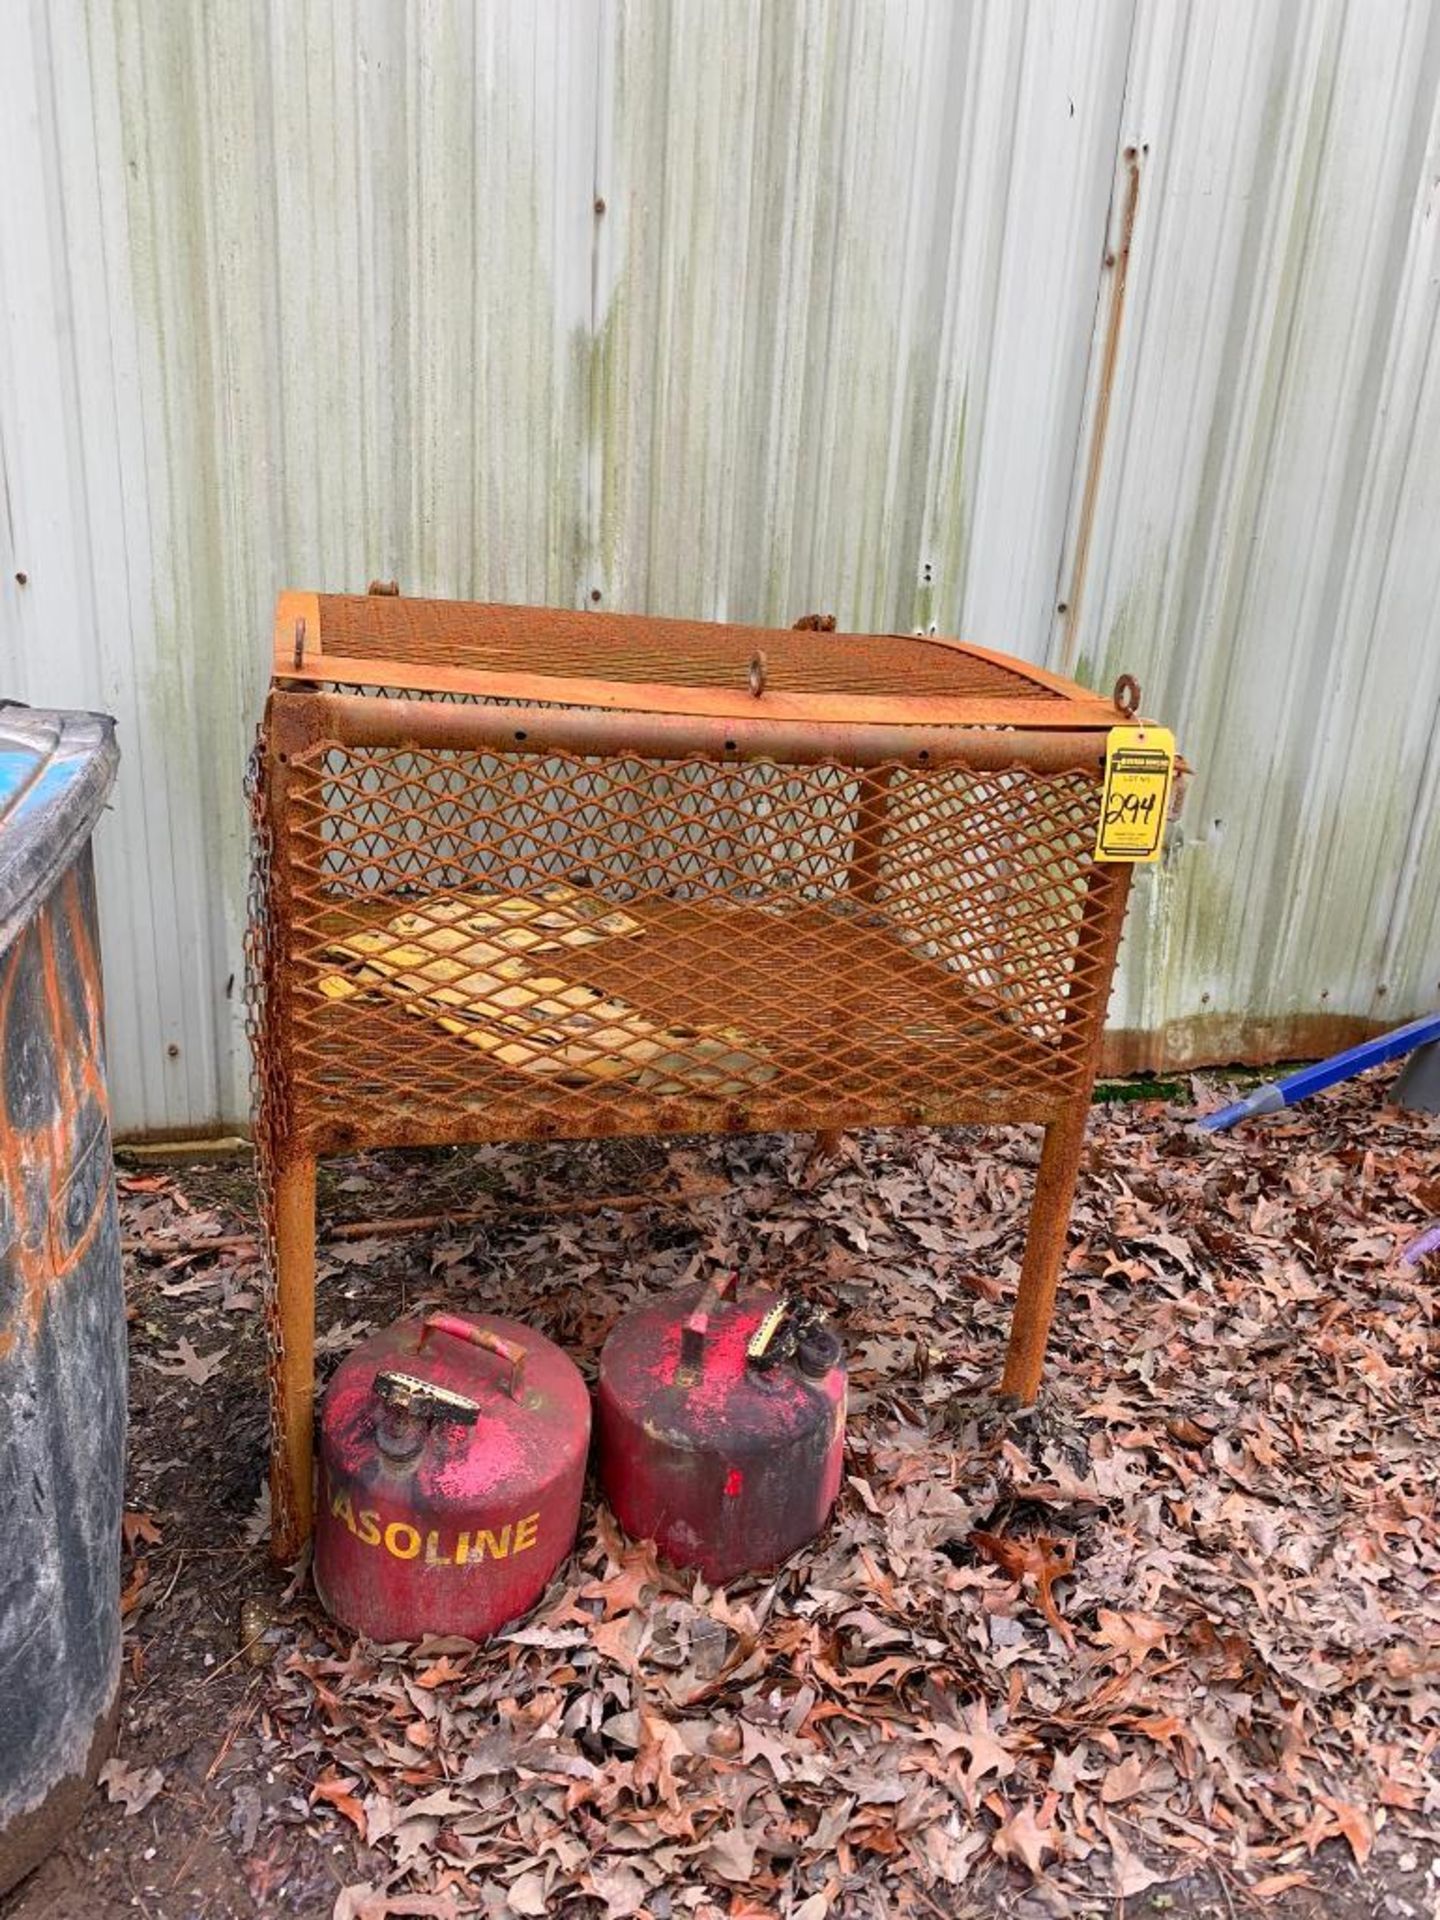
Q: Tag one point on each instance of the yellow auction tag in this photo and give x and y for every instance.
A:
(1139, 766)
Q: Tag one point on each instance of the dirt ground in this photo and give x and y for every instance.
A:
(1170, 1645)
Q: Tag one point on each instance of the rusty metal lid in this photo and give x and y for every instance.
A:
(640, 663)
(56, 770)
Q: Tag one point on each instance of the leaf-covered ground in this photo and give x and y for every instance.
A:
(1169, 1643)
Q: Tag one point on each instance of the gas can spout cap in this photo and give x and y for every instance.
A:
(409, 1407)
(795, 1333)
(818, 1349)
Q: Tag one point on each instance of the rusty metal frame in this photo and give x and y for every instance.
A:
(1024, 1063)
(297, 721)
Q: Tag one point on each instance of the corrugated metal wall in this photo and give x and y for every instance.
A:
(717, 307)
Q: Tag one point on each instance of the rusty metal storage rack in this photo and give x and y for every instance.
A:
(524, 874)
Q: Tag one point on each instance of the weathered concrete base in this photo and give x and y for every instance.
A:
(37, 1832)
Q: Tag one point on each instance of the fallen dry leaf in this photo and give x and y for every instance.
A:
(732, 1854)
(1019, 1838)
(949, 1855)
(1129, 1873)
(527, 1895)
(135, 1527)
(1354, 1823)
(1038, 1560)
(367, 1902)
(182, 1361)
(339, 1793)
(620, 1887)
(131, 1787)
(1274, 1884)
(134, 1588)
(1123, 1781)
(988, 1754)
(1132, 1635)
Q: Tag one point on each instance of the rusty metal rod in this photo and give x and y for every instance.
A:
(354, 721)
(1119, 265)
(292, 1486)
(1101, 923)
(869, 834)
(173, 1246)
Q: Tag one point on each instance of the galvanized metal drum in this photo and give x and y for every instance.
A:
(452, 1463)
(62, 1315)
(722, 1427)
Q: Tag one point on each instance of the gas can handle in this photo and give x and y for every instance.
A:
(692, 1334)
(459, 1329)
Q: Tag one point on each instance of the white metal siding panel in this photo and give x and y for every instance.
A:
(292, 293)
(851, 261)
(84, 463)
(1264, 554)
(306, 291)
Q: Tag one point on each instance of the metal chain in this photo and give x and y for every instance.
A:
(267, 1071)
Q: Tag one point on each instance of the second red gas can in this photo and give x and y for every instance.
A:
(721, 1423)
(452, 1463)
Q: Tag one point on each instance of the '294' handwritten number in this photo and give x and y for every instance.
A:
(1130, 810)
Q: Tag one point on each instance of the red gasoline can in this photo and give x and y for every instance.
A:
(452, 1461)
(722, 1427)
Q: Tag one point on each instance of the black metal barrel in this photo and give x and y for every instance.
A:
(62, 1314)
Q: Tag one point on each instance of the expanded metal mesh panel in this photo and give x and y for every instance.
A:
(454, 634)
(499, 945)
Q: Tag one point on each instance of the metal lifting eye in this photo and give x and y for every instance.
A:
(758, 665)
(1127, 695)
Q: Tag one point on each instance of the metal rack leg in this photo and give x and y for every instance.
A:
(292, 1379)
(1044, 1250)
